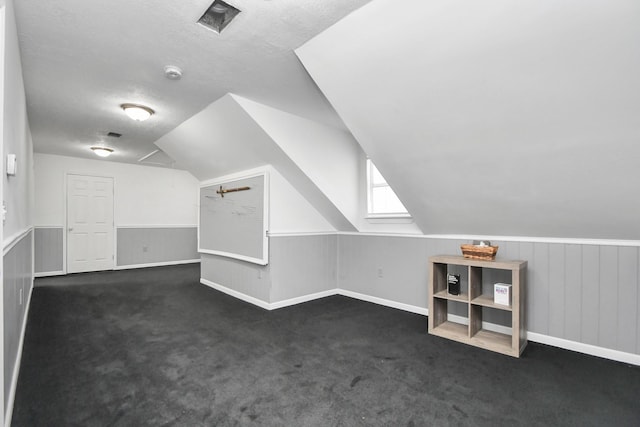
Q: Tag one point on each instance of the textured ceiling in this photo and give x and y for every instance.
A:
(82, 59)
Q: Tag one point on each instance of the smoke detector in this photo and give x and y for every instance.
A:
(172, 72)
(218, 16)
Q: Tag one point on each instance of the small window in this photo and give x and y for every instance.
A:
(382, 200)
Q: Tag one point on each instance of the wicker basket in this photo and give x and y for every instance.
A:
(479, 252)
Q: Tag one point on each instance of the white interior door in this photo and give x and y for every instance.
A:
(90, 228)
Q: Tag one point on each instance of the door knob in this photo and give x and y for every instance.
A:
(70, 229)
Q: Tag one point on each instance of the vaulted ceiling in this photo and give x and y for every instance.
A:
(83, 59)
(495, 117)
(487, 118)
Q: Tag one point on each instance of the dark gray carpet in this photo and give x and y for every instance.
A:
(154, 347)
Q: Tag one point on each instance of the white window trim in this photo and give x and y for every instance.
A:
(380, 216)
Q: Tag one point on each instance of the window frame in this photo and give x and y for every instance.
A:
(371, 186)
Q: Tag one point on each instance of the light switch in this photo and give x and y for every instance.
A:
(11, 164)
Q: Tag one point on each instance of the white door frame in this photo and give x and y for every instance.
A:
(2, 379)
(66, 218)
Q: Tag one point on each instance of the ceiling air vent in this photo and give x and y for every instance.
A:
(218, 16)
(114, 134)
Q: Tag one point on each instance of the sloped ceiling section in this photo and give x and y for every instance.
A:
(219, 140)
(495, 117)
(328, 156)
(234, 134)
(156, 157)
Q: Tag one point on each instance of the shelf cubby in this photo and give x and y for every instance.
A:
(473, 333)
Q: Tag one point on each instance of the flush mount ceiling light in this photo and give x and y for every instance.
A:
(218, 16)
(137, 112)
(102, 151)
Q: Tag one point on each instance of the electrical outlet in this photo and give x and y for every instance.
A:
(380, 273)
(259, 273)
(145, 249)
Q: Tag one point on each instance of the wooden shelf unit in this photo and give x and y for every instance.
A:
(473, 333)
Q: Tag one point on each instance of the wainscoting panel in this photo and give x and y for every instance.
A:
(152, 245)
(18, 281)
(556, 290)
(608, 286)
(582, 296)
(573, 292)
(49, 249)
(390, 268)
(302, 265)
(628, 318)
(583, 293)
(241, 277)
(590, 295)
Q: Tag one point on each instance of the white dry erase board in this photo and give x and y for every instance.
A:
(234, 218)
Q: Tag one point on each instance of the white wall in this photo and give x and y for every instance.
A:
(289, 211)
(497, 117)
(329, 157)
(18, 190)
(225, 138)
(144, 195)
(17, 193)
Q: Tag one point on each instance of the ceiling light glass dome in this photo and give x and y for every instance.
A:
(137, 112)
(102, 151)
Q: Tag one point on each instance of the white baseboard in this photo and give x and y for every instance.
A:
(263, 304)
(16, 369)
(620, 356)
(156, 264)
(592, 350)
(310, 297)
(300, 300)
(236, 294)
(385, 302)
(123, 267)
(49, 273)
